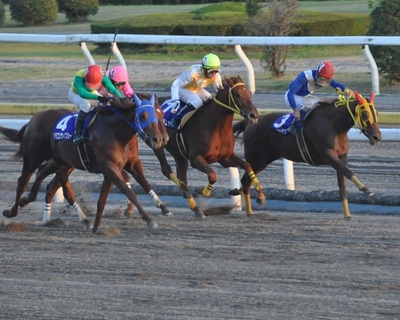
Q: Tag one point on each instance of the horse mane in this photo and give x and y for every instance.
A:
(121, 105)
(229, 82)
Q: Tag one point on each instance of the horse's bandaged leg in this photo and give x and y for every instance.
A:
(77, 209)
(257, 185)
(346, 210)
(156, 199)
(360, 186)
(247, 203)
(207, 190)
(46, 213)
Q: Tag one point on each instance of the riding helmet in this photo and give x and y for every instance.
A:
(118, 74)
(94, 76)
(211, 62)
(325, 69)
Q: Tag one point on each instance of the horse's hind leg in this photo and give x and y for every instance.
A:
(21, 187)
(341, 179)
(202, 165)
(44, 170)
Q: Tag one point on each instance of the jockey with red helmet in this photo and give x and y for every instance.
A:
(84, 89)
(189, 86)
(299, 96)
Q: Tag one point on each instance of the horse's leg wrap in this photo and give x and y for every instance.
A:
(346, 210)
(247, 203)
(46, 213)
(207, 190)
(257, 185)
(82, 216)
(156, 199)
(360, 186)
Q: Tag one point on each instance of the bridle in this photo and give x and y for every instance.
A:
(234, 108)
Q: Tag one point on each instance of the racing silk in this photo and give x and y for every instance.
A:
(126, 90)
(78, 86)
(194, 79)
(305, 84)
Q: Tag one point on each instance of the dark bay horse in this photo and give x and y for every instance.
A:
(208, 138)
(325, 136)
(133, 166)
(108, 150)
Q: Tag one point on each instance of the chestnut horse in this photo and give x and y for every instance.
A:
(107, 149)
(208, 138)
(324, 131)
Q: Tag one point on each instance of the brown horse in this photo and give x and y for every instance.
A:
(108, 149)
(133, 166)
(325, 136)
(208, 138)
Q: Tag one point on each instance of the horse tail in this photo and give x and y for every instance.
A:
(239, 127)
(16, 136)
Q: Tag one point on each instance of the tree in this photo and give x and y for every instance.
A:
(385, 21)
(78, 11)
(276, 23)
(34, 12)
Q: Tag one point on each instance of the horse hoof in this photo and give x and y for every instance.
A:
(7, 213)
(167, 214)
(234, 192)
(261, 202)
(199, 215)
(151, 226)
(86, 224)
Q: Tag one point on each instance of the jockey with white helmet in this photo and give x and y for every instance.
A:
(189, 86)
(299, 96)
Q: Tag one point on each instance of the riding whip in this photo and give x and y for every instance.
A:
(112, 45)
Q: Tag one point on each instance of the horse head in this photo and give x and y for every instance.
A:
(238, 98)
(366, 117)
(146, 122)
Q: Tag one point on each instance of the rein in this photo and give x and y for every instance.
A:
(136, 125)
(228, 106)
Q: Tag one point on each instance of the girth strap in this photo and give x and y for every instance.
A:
(181, 144)
(301, 144)
(83, 156)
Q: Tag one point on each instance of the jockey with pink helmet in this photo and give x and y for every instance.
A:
(300, 97)
(119, 77)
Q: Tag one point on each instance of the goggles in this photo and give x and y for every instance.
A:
(117, 84)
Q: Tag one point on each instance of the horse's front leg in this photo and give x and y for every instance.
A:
(202, 165)
(113, 174)
(101, 202)
(167, 172)
(341, 179)
(135, 168)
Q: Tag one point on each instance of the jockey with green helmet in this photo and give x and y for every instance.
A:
(300, 97)
(84, 89)
(189, 86)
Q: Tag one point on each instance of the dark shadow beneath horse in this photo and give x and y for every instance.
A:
(208, 138)
(108, 150)
(325, 140)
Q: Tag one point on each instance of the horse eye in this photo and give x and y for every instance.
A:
(365, 115)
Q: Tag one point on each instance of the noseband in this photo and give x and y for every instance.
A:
(235, 108)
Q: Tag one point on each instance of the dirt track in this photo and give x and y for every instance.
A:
(275, 265)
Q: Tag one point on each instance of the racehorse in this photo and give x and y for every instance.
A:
(108, 149)
(322, 140)
(208, 138)
(133, 166)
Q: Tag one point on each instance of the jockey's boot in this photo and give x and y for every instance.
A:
(177, 119)
(80, 120)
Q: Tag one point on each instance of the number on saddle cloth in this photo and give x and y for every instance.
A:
(283, 123)
(171, 109)
(65, 126)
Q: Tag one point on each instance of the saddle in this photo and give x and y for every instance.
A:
(171, 109)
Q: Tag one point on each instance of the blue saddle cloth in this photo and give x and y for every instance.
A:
(65, 126)
(283, 123)
(171, 109)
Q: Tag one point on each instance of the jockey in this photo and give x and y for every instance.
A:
(189, 86)
(84, 87)
(299, 96)
(119, 78)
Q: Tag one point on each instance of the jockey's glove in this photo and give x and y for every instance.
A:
(102, 99)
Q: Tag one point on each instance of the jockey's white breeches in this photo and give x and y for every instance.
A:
(308, 101)
(196, 98)
(78, 101)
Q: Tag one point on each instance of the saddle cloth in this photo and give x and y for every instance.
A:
(65, 126)
(171, 109)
